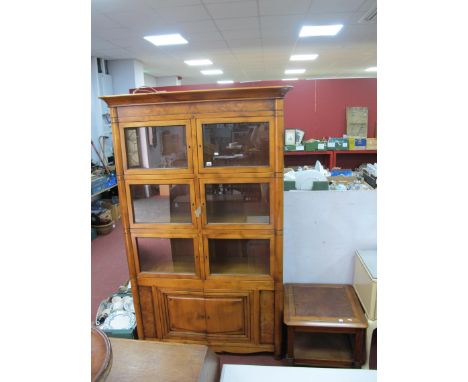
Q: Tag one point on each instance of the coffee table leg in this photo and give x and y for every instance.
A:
(358, 348)
(290, 353)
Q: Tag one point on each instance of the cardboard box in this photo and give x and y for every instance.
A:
(315, 145)
(356, 143)
(338, 144)
(320, 186)
(371, 144)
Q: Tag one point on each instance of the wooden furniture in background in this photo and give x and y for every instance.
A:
(146, 361)
(325, 325)
(101, 355)
(205, 258)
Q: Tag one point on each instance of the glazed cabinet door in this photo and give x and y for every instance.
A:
(161, 203)
(233, 145)
(162, 147)
(236, 203)
(244, 256)
(166, 255)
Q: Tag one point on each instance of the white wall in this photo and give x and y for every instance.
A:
(149, 80)
(126, 74)
(322, 230)
(168, 81)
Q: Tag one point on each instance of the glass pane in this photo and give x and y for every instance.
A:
(239, 256)
(236, 144)
(156, 147)
(165, 255)
(247, 203)
(161, 203)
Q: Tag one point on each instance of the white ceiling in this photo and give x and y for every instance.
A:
(248, 39)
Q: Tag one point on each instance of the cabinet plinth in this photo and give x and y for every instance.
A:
(199, 182)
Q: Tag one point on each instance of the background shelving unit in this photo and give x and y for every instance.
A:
(329, 159)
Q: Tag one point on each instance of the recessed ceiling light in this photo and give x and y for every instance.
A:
(320, 30)
(303, 57)
(166, 39)
(210, 72)
(294, 71)
(225, 82)
(290, 79)
(372, 69)
(200, 62)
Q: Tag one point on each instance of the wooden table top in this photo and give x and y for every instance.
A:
(142, 361)
(322, 305)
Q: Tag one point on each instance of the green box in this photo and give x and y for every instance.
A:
(289, 185)
(339, 144)
(290, 148)
(315, 146)
(320, 185)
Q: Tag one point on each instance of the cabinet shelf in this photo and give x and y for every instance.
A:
(330, 159)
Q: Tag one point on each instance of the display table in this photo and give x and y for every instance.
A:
(320, 320)
(137, 360)
(247, 373)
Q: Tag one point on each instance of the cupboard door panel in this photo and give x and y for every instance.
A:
(267, 317)
(228, 315)
(147, 312)
(184, 314)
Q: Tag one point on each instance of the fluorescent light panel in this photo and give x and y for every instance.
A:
(320, 30)
(303, 57)
(200, 62)
(372, 69)
(225, 82)
(210, 72)
(166, 39)
(290, 79)
(294, 71)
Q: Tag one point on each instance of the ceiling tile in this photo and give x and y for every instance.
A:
(233, 9)
(238, 23)
(334, 5)
(241, 34)
(280, 7)
(183, 13)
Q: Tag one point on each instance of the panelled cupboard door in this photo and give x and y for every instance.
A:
(237, 202)
(174, 255)
(228, 315)
(161, 203)
(183, 314)
(236, 145)
(157, 147)
(204, 315)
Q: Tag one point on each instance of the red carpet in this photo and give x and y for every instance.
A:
(109, 268)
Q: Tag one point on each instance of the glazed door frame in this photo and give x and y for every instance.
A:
(200, 121)
(217, 234)
(244, 179)
(165, 234)
(189, 139)
(194, 202)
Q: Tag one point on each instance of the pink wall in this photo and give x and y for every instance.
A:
(317, 106)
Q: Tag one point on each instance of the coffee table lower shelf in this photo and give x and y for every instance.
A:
(322, 349)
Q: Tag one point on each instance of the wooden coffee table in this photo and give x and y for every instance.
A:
(326, 325)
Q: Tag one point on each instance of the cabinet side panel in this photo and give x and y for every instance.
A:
(147, 312)
(267, 317)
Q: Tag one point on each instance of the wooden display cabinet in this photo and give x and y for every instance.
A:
(200, 176)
